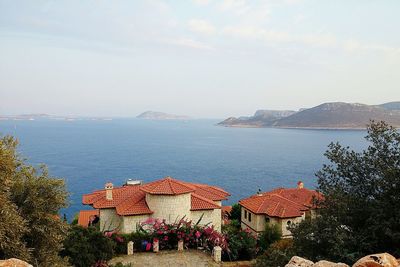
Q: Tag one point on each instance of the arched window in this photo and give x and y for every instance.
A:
(289, 223)
(267, 219)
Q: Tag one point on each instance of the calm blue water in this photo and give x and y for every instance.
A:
(90, 153)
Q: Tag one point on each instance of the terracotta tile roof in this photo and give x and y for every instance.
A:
(131, 199)
(134, 205)
(210, 192)
(281, 202)
(128, 200)
(226, 209)
(202, 203)
(84, 216)
(167, 186)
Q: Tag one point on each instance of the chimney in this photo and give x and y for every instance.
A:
(300, 185)
(109, 188)
(259, 193)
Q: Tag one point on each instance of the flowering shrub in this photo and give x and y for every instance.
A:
(214, 238)
(120, 242)
(168, 235)
(235, 243)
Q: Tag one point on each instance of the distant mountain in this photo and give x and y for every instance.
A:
(391, 105)
(154, 115)
(262, 118)
(328, 115)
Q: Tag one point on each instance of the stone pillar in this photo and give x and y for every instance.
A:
(217, 254)
(180, 245)
(130, 248)
(156, 246)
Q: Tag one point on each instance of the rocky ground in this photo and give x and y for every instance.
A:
(374, 260)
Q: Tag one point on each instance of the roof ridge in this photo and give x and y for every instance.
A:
(170, 185)
(276, 206)
(285, 198)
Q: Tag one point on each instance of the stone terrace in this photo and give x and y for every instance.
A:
(169, 258)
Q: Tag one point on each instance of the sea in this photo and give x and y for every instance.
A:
(89, 153)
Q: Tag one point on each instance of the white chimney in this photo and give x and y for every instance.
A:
(300, 185)
(109, 188)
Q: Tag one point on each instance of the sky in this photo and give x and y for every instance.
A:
(202, 58)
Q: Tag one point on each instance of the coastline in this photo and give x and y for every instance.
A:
(300, 128)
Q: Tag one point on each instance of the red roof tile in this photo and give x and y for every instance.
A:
(227, 209)
(85, 215)
(167, 186)
(128, 200)
(210, 192)
(131, 199)
(281, 202)
(202, 203)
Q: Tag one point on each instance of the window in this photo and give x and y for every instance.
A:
(245, 214)
(288, 224)
(267, 219)
(249, 217)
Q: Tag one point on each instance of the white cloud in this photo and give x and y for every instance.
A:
(356, 46)
(326, 40)
(201, 26)
(258, 33)
(187, 42)
(202, 2)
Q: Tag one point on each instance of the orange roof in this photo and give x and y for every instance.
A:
(202, 203)
(131, 199)
(210, 192)
(167, 186)
(226, 209)
(281, 202)
(84, 216)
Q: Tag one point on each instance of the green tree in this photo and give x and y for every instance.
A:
(12, 225)
(278, 254)
(235, 213)
(34, 199)
(86, 246)
(271, 234)
(361, 207)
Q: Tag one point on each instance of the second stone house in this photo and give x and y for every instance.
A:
(122, 208)
(282, 206)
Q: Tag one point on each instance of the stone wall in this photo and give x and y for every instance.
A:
(170, 208)
(109, 220)
(129, 223)
(210, 216)
(258, 222)
(218, 202)
(285, 223)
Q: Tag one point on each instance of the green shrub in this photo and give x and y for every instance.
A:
(278, 254)
(86, 246)
(242, 245)
(231, 227)
(235, 213)
(75, 219)
(271, 234)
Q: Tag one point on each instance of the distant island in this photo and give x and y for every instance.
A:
(155, 115)
(335, 115)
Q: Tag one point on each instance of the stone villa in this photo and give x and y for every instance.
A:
(122, 208)
(282, 206)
